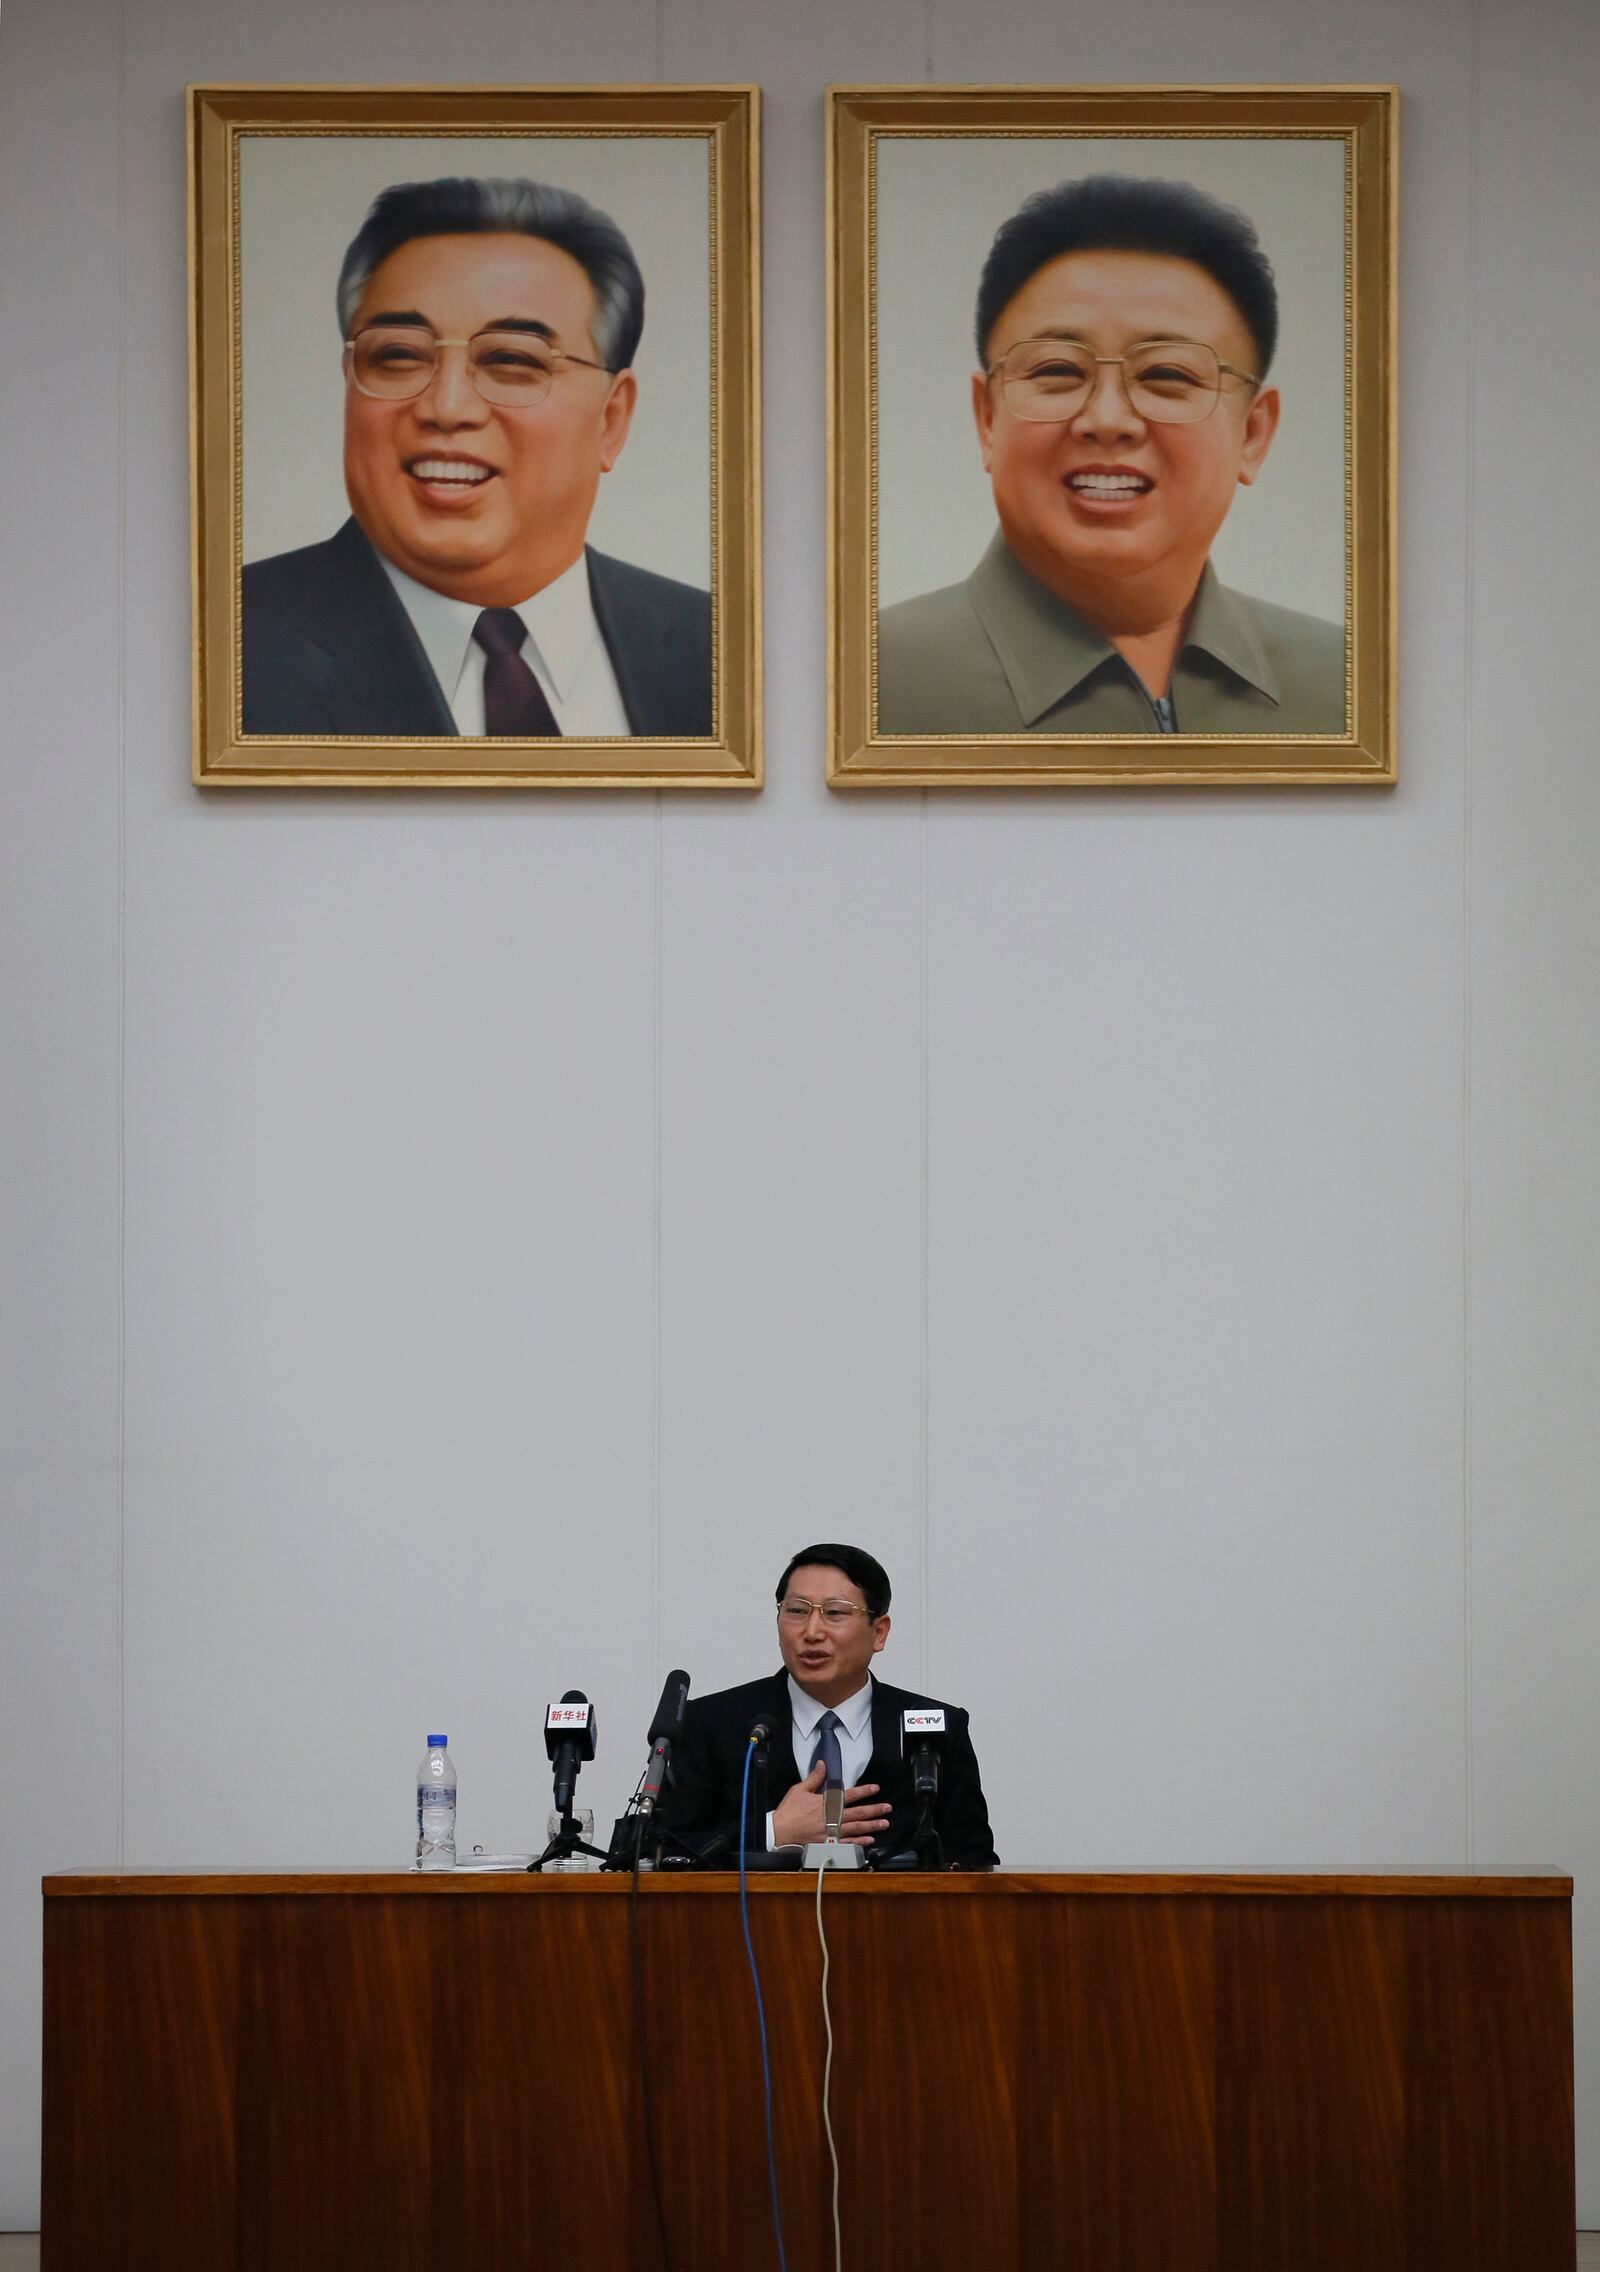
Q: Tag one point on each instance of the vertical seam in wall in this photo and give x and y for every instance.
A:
(1467, 1509)
(659, 60)
(926, 1477)
(122, 927)
(924, 1481)
(655, 1264)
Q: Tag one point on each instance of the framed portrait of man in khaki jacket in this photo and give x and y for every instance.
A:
(1112, 437)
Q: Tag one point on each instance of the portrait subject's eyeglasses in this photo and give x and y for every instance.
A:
(1170, 382)
(794, 1609)
(397, 362)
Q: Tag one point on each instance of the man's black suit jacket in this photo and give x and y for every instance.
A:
(708, 1767)
(329, 649)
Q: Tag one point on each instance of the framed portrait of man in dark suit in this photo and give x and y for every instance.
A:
(1112, 436)
(476, 447)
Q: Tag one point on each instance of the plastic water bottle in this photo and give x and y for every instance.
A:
(436, 1808)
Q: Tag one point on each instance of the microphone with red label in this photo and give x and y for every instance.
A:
(569, 1739)
(570, 1731)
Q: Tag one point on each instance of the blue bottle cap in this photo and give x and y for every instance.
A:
(437, 1743)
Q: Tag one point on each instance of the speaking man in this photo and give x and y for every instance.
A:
(1124, 329)
(489, 333)
(826, 1708)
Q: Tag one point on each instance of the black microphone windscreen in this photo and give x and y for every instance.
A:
(574, 1696)
(668, 1721)
(760, 1731)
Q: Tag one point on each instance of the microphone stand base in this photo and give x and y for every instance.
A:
(830, 1854)
(565, 1844)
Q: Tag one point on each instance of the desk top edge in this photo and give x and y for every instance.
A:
(1523, 1882)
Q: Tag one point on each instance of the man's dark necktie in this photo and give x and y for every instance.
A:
(513, 700)
(828, 1751)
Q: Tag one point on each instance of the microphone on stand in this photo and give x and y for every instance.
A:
(831, 1851)
(666, 1729)
(755, 1825)
(569, 1739)
(636, 1832)
(922, 1740)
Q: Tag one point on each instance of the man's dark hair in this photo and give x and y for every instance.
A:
(459, 206)
(1121, 213)
(861, 1568)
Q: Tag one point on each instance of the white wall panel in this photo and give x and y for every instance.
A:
(1535, 974)
(1196, 1326)
(60, 986)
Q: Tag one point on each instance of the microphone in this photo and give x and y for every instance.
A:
(755, 1828)
(922, 1741)
(668, 1721)
(569, 1739)
(832, 1851)
(666, 1729)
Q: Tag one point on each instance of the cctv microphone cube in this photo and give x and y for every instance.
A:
(922, 1739)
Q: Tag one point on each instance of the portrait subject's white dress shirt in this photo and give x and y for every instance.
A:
(564, 650)
(855, 1734)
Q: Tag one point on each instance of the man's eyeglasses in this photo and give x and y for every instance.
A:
(397, 362)
(794, 1609)
(1170, 382)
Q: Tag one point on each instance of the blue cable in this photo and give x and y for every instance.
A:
(761, 2015)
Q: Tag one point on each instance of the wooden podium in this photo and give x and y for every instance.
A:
(1207, 2073)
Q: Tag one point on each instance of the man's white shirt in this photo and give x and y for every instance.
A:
(564, 650)
(855, 1734)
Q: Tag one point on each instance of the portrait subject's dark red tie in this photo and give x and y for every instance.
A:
(513, 700)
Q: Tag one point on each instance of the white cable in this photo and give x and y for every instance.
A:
(827, 2078)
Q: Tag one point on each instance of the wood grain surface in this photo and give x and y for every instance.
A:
(1107, 2074)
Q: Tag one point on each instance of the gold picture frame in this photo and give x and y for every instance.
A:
(681, 649)
(919, 180)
